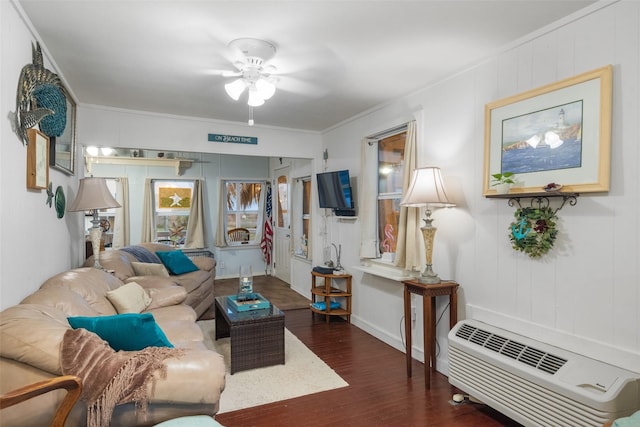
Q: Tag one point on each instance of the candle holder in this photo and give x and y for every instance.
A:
(245, 285)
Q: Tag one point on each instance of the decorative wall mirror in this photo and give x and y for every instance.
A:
(63, 148)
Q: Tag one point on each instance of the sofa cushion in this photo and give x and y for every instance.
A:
(166, 297)
(149, 282)
(174, 312)
(63, 299)
(117, 261)
(141, 330)
(129, 298)
(149, 269)
(90, 283)
(31, 334)
(177, 262)
(180, 332)
(142, 253)
(194, 280)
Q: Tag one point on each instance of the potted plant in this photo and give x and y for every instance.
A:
(503, 181)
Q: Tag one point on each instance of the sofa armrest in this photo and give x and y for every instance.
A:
(194, 367)
(164, 297)
(204, 263)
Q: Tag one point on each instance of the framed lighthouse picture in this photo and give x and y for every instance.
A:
(558, 133)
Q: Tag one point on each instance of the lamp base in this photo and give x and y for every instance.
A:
(429, 277)
(96, 235)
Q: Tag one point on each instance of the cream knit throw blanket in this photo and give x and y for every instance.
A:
(110, 378)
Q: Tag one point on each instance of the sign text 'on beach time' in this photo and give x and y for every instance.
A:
(213, 137)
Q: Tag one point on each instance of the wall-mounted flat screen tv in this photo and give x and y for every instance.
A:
(334, 190)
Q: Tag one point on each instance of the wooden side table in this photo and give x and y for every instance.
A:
(326, 292)
(428, 292)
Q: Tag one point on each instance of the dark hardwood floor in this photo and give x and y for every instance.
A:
(379, 392)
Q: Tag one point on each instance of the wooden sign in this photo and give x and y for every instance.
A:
(233, 139)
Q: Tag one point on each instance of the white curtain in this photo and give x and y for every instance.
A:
(368, 190)
(147, 213)
(220, 232)
(409, 250)
(121, 229)
(196, 224)
(261, 208)
(297, 198)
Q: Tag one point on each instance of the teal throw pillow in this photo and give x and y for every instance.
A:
(177, 262)
(129, 331)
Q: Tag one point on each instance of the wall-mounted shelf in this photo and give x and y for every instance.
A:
(178, 164)
(539, 198)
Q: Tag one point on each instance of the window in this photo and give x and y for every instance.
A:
(243, 209)
(172, 206)
(390, 173)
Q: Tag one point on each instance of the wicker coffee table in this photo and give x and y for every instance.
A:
(257, 336)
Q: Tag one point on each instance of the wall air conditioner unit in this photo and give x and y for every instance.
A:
(535, 383)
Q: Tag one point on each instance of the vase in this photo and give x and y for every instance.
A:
(245, 285)
(503, 188)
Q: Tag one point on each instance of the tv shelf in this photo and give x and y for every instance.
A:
(346, 218)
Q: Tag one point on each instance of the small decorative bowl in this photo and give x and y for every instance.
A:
(552, 187)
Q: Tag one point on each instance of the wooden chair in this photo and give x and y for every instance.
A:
(238, 235)
(72, 384)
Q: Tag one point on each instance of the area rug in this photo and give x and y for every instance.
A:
(303, 373)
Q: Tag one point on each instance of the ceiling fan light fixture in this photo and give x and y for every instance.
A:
(235, 88)
(255, 73)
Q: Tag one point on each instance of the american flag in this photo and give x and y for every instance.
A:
(267, 235)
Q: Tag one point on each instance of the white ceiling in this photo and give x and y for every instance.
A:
(336, 59)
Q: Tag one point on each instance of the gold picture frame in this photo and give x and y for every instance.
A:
(559, 133)
(37, 160)
(62, 152)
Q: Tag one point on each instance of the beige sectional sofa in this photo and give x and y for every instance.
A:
(198, 284)
(31, 335)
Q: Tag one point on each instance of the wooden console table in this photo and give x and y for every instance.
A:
(428, 292)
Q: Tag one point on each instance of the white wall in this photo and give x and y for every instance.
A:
(584, 295)
(34, 243)
(104, 126)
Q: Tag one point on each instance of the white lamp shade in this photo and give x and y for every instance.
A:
(235, 88)
(426, 188)
(255, 98)
(93, 194)
(266, 88)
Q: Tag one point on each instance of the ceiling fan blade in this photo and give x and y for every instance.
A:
(229, 73)
(223, 73)
(300, 86)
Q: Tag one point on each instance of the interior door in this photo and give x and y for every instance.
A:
(282, 244)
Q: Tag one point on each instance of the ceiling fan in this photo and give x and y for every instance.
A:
(253, 73)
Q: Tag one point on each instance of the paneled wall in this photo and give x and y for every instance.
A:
(584, 294)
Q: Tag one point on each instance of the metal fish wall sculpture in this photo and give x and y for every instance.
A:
(28, 113)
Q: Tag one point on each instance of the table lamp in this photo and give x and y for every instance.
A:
(93, 195)
(427, 189)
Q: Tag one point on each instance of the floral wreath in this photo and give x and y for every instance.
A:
(534, 230)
